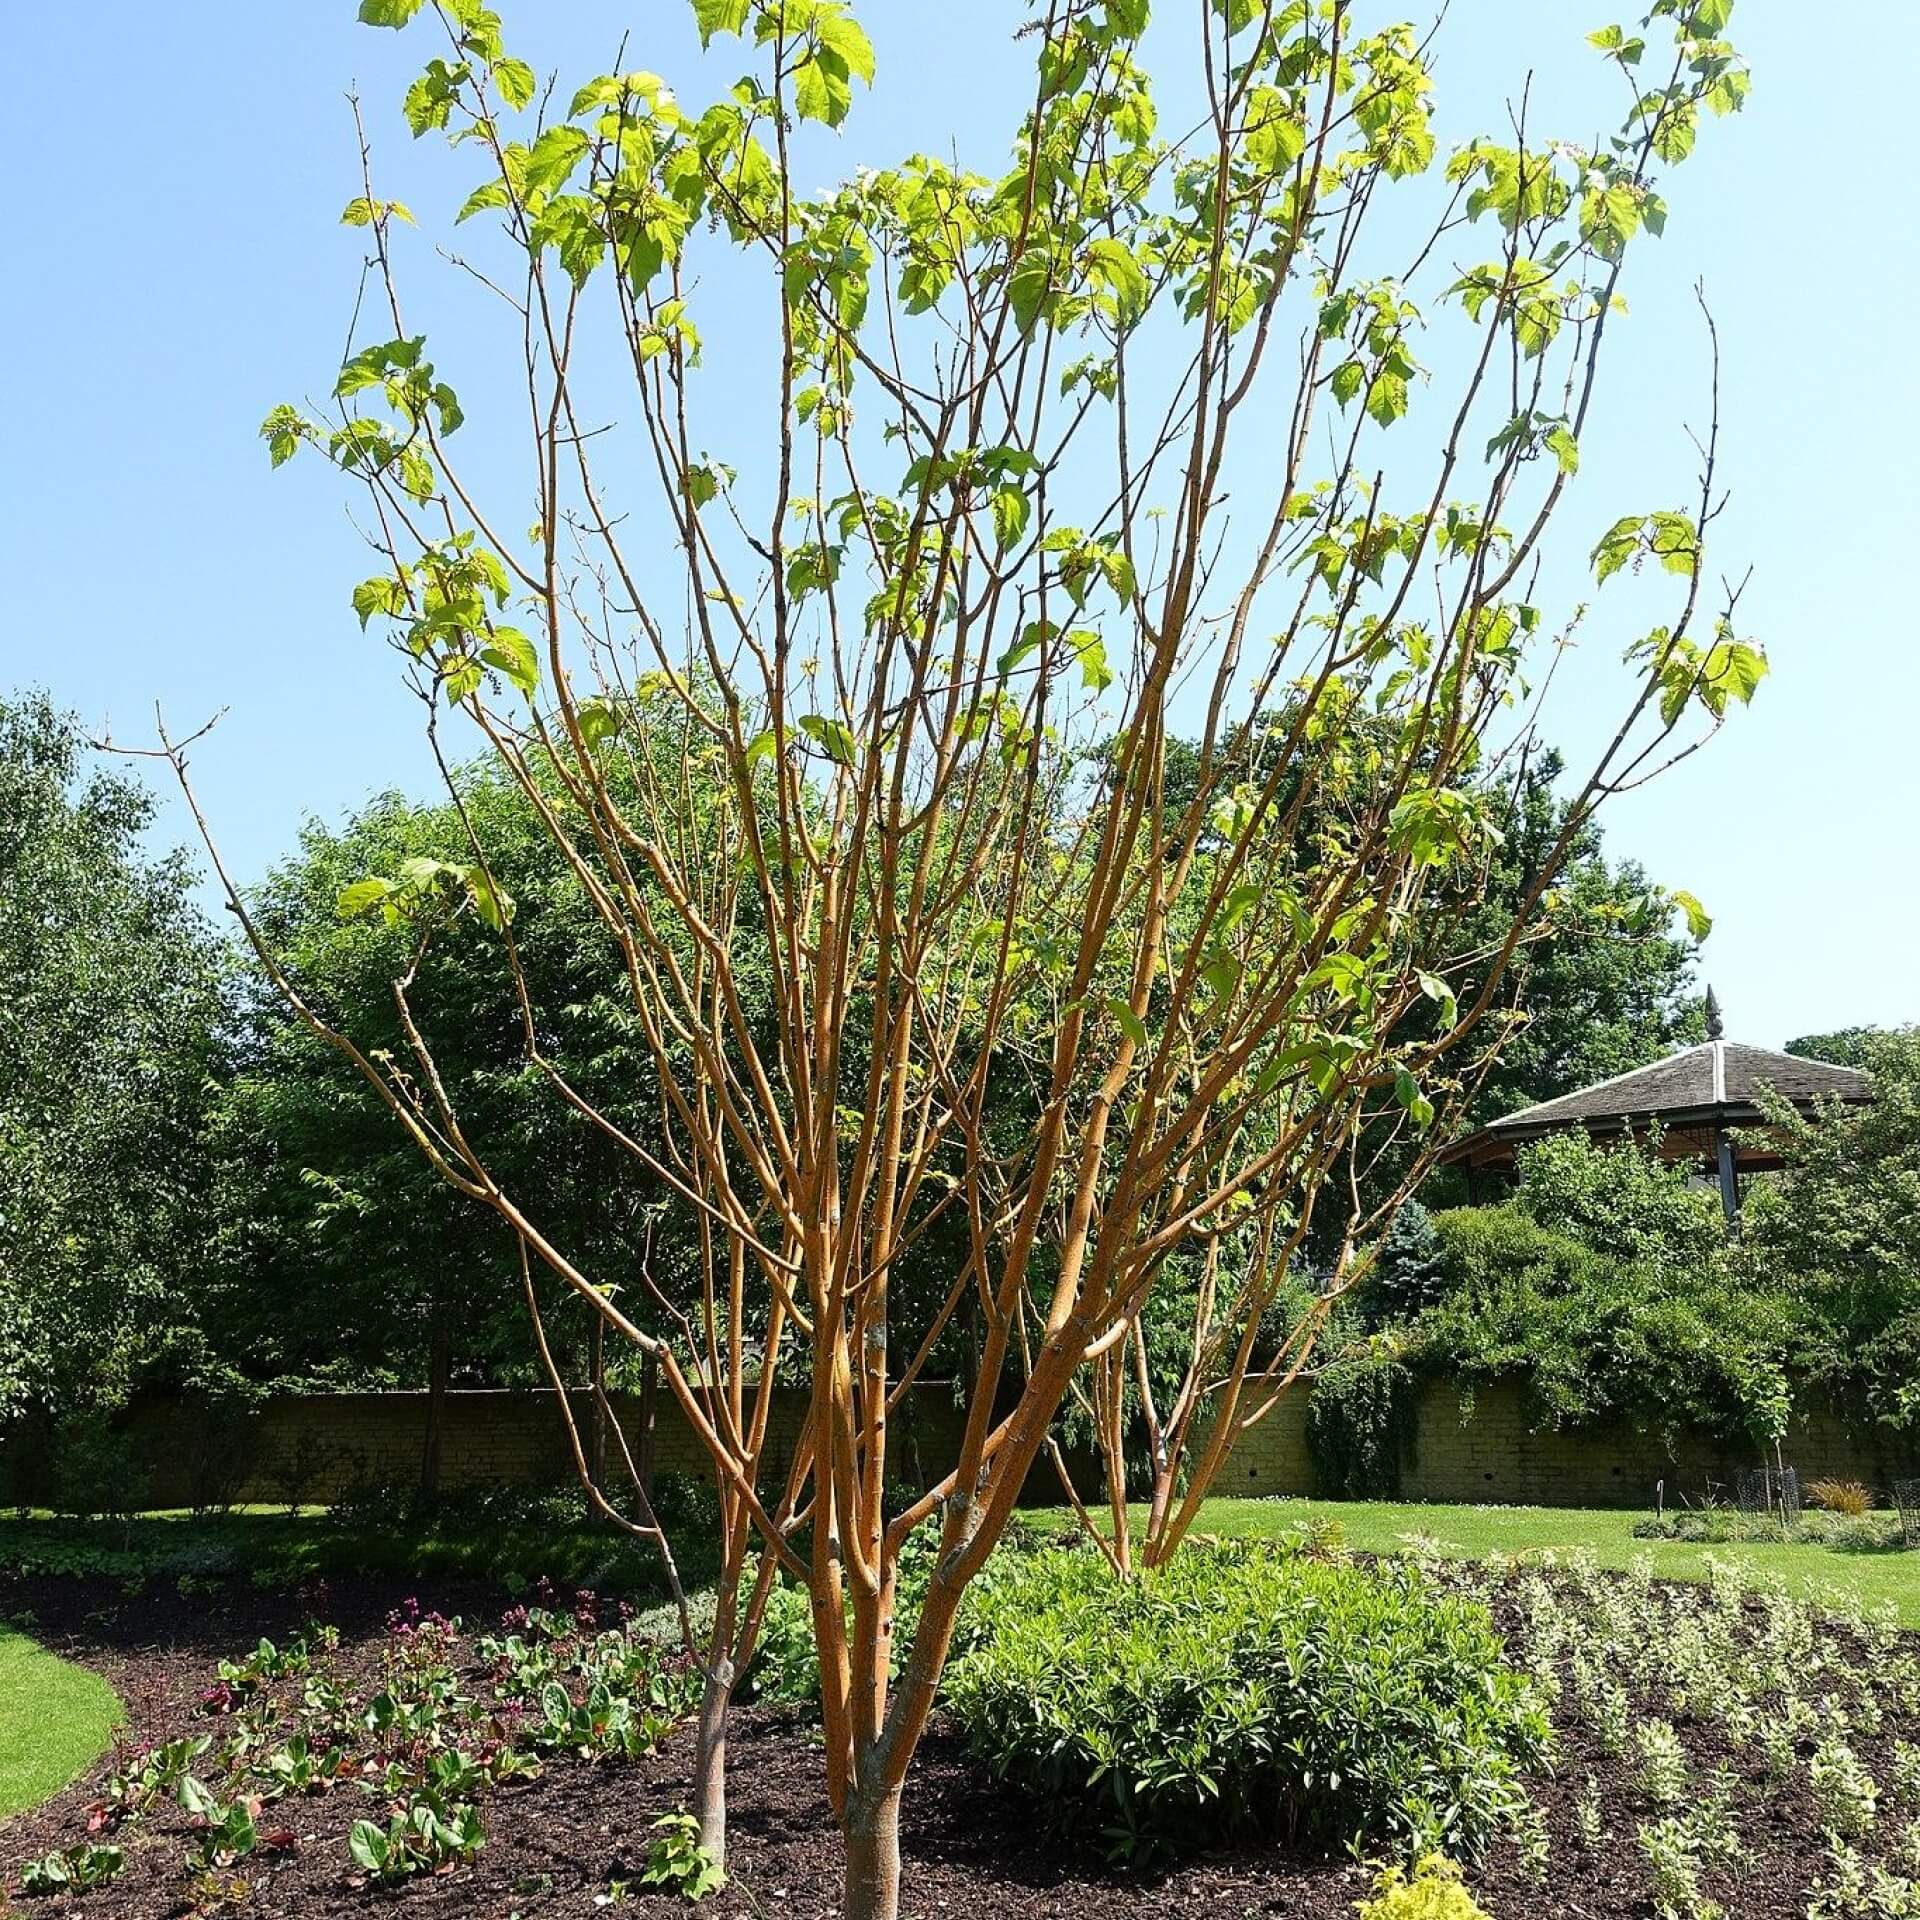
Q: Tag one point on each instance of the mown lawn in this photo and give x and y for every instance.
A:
(54, 1719)
(1377, 1526)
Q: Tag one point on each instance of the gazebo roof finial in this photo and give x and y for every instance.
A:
(1716, 1026)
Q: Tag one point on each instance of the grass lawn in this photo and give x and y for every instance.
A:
(1376, 1526)
(54, 1719)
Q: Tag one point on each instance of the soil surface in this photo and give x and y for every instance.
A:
(558, 1845)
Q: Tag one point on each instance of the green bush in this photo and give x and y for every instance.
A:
(1243, 1685)
(1597, 1341)
(96, 1470)
(1837, 1233)
(786, 1660)
(1622, 1201)
(1714, 1526)
(1361, 1421)
(1432, 1892)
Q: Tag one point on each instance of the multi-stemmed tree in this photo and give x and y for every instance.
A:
(1061, 464)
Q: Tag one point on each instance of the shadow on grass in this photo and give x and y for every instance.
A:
(182, 1576)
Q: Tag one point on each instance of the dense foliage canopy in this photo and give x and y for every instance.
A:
(114, 1013)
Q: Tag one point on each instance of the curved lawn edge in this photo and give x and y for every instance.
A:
(56, 1719)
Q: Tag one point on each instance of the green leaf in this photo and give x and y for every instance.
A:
(362, 897)
(515, 80)
(833, 737)
(599, 722)
(358, 212)
(194, 1796)
(490, 193)
(821, 89)
(1032, 635)
(1616, 547)
(281, 430)
(509, 651)
(1699, 920)
(382, 594)
(1564, 448)
(1406, 1090)
(1011, 512)
(416, 473)
(388, 13)
(848, 40)
(1733, 670)
(719, 16)
(366, 1843)
(570, 222)
(1348, 378)
(1442, 997)
(553, 157)
(1091, 651)
(1387, 398)
(1130, 1022)
(494, 907)
(1111, 262)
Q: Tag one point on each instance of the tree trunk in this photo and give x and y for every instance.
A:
(873, 1858)
(710, 1761)
(439, 1370)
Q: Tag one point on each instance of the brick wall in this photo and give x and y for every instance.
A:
(1487, 1452)
(317, 1444)
(314, 1445)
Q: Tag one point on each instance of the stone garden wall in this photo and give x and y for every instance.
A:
(1483, 1451)
(310, 1447)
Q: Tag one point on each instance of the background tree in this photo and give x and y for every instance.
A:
(898, 633)
(1838, 1231)
(362, 1267)
(113, 1024)
(1611, 986)
(1844, 1047)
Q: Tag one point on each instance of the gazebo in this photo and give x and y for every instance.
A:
(1696, 1098)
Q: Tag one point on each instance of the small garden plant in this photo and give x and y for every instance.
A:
(676, 1859)
(1432, 1891)
(421, 1731)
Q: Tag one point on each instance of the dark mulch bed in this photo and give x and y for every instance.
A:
(971, 1849)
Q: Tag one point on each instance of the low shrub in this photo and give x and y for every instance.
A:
(97, 1469)
(1243, 1685)
(1431, 1892)
(786, 1660)
(1717, 1526)
(1840, 1496)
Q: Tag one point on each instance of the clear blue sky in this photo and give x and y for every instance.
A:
(176, 268)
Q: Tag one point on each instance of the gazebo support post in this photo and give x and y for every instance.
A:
(1729, 1179)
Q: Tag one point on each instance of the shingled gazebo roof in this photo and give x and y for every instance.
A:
(1716, 1084)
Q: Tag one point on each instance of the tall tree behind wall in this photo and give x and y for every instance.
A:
(112, 1011)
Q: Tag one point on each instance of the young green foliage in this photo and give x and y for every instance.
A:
(1061, 1000)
